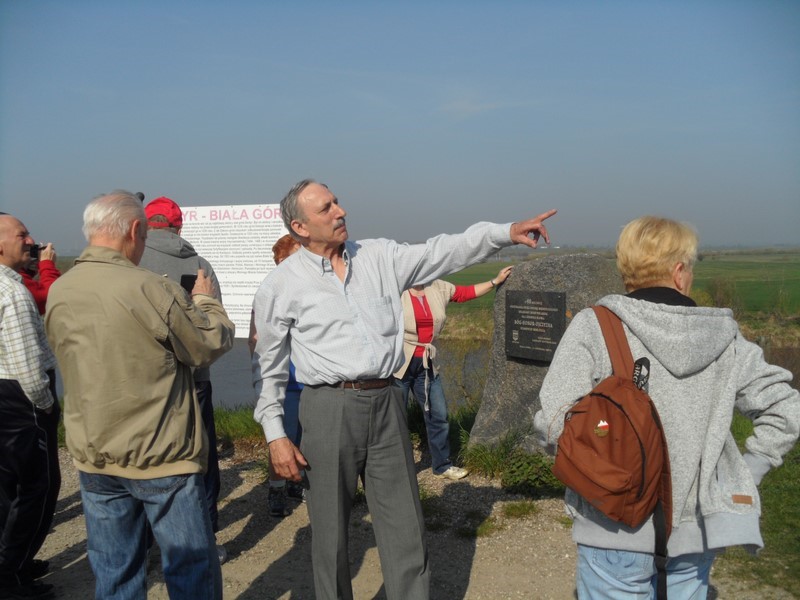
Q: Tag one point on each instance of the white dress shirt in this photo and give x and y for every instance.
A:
(344, 331)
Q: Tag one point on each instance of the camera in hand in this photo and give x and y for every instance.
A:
(34, 251)
(187, 282)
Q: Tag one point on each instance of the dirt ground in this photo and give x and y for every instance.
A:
(529, 557)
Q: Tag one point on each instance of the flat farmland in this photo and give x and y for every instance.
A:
(756, 281)
(763, 281)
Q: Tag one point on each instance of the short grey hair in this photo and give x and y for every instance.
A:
(290, 209)
(112, 214)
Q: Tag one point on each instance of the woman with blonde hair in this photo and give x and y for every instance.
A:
(701, 370)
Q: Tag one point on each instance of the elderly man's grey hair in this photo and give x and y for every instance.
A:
(112, 214)
(290, 210)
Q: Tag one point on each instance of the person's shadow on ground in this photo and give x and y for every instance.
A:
(70, 563)
(451, 533)
(293, 572)
(252, 507)
(289, 573)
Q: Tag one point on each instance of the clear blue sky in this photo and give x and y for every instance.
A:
(423, 117)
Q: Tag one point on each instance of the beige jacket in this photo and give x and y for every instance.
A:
(126, 341)
(438, 294)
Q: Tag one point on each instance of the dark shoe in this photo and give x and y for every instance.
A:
(36, 569)
(277, 501)
(27, 591)
(296, 491)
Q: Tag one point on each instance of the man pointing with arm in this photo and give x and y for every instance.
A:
(335, 307)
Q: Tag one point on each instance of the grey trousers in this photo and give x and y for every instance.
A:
(347, 433)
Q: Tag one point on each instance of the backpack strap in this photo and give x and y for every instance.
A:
(660, 557)
(618, 349)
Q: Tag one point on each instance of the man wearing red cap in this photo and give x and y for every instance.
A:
(167, 253)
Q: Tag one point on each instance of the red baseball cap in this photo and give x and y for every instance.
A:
(166, 208)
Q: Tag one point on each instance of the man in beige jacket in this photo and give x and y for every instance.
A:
(126, 341)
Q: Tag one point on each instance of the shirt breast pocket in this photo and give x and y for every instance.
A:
(379, 316)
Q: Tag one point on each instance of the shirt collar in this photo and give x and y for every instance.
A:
(321, 263)
(9, 272)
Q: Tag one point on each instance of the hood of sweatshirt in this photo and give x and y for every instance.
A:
(169, 243)
(683, 339)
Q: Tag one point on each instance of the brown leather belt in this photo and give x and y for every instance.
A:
(364, 384)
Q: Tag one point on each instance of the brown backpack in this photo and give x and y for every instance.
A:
(613, 451)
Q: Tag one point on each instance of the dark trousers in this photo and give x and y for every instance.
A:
(24, 479)
(211, 478)
(50, 425)
(352, 433)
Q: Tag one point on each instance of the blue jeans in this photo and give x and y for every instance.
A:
(436, 423)
(291, 417)
(624, 575)
(116, 509)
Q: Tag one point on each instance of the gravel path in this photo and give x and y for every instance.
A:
(527, 557)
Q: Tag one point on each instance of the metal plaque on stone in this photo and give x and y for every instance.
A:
(535, 322)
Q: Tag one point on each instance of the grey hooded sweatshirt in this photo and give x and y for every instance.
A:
(168, 254)
(701, 369)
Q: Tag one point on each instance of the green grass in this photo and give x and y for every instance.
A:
(476, 524)
(470, 276)
(565, 521)
(490, 460)
(520, 510)
(461, 421)
(759, 282)
(236, 424)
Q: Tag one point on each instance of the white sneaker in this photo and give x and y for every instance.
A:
(453, 473)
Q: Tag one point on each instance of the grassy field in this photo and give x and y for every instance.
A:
(471, 276)
(753, 281)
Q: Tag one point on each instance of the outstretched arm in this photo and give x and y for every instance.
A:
(486, 286)
(522, 229)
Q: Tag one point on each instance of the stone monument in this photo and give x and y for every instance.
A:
(539, 300)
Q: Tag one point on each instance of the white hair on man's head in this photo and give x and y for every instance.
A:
(112, 214)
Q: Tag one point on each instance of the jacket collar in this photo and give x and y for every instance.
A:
(662, 295)
(103, 254)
